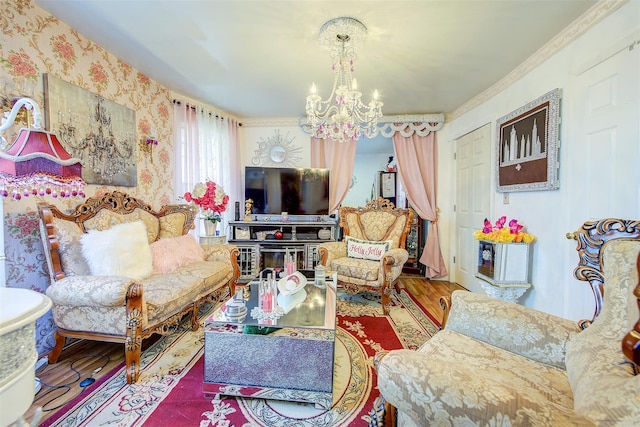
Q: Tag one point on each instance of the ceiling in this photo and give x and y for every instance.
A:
(258, 59)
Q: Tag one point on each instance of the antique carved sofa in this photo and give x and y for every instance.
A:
(121, 271)
(499, 363)
(372, 254)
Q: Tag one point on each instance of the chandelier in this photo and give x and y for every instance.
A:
(343, 116)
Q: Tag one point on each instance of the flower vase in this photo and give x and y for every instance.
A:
(210, 228)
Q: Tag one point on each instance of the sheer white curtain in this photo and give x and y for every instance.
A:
(206, 149)
(186, 148)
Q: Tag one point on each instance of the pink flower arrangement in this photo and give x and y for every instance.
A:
(210, 197)
(502, 233)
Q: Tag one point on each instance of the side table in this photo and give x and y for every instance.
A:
(19, 310)
(505, 291)
(504, 269)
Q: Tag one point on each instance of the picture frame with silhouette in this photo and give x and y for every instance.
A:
(527, 146)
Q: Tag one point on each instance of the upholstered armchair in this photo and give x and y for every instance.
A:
(372, 254)
(499, 363)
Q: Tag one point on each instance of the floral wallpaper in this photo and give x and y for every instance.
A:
(34, 42)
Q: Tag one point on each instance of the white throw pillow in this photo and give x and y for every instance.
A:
(366, 249)
(122, 250)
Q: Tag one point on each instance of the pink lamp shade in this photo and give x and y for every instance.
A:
(36, 163)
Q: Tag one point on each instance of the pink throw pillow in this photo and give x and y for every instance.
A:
(169, 254)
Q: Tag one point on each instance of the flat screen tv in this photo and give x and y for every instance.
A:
(298, 191)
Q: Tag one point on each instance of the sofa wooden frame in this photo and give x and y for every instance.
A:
(122, 203)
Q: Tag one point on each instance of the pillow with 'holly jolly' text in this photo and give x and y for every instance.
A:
(365, 249)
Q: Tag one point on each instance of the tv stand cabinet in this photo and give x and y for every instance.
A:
(259, 249)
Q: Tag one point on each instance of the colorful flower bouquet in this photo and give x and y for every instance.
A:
(211, 198)
(502, 233)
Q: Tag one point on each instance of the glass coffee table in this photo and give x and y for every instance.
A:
(284, 356)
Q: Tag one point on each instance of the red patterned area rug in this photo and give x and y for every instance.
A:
(169, 391)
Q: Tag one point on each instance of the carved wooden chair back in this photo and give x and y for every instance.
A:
(379, 220)
(592, 237)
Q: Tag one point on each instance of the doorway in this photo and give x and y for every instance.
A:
(473, 181)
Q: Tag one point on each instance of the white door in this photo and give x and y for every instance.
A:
(606, 111)
(473, 181)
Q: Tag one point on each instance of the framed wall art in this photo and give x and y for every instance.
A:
(101, 133)
(527, 146)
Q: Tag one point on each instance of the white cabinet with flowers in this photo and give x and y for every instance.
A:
(504, 259)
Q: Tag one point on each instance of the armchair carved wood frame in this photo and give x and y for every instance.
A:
(379, 220)
(592, 237)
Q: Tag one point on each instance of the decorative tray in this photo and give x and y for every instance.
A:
(292, 283)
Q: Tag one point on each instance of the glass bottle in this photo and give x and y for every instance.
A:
(319, 276)
(266, 295)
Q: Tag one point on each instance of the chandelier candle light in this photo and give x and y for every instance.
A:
(343, 116)
(212, 200)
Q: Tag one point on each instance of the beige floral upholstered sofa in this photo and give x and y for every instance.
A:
(121, 271)
(372, 254)
(497, 363)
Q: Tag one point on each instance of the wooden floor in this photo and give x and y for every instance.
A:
(80, 360)
(428, 292)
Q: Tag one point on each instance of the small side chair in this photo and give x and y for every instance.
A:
(372, 254)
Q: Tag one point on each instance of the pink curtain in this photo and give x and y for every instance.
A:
(337, 156)
(416, 157)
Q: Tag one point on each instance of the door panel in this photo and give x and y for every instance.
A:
(473, 181)
(607, 130)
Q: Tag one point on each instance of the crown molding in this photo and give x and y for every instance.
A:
(586, 21)
(435, 119)
(413, 118)
(273, 121)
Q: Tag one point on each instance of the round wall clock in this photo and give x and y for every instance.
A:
(276, 150)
